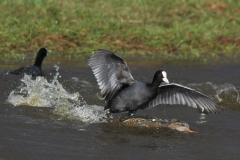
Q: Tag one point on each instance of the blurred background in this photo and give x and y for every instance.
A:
(61, 115)
(178, 29)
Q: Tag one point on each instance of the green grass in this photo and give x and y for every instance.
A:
(170, 29)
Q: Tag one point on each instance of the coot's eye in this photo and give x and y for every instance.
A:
(160, 74)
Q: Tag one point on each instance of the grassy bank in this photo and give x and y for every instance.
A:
(171, 29)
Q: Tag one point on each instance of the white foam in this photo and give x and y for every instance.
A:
(41, 93)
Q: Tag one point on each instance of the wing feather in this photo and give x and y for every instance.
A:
(110, 71)
(177, 94)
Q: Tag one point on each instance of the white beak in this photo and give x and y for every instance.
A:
(165, 80)
(165, 77)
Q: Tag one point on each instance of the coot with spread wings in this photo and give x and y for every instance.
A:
(123, 93)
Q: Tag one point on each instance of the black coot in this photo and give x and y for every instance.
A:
(34, 70)
(126, 94)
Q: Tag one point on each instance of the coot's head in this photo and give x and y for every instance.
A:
(42, 52)
(160, 76)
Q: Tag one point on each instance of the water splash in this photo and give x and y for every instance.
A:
(223, 92)
(226, 94)
(41, 93)
(227, 91)
(202, 118)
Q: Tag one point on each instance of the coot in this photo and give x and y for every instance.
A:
(34, 70)
(123, 93)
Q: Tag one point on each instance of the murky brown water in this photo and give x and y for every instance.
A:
(61, 131)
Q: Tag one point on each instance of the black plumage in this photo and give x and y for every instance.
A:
(126, 94)
(36, 68)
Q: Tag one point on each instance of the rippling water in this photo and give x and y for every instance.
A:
(60, 116)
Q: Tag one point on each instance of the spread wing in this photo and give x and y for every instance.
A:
(110, 71)
(177, 94)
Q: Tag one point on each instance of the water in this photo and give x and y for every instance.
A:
(39, 92)
(60, 116)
